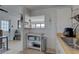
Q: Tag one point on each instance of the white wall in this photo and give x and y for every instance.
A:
(50, 18)
(63, 19)
(6, 16)
(14, 20)
(13, 15)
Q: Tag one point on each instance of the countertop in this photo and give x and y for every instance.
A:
(67, 49)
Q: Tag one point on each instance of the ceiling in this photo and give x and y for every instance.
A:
(37, 7)
(16, 9)
(12, 10)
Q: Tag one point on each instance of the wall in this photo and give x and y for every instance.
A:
(50, 30)
(14, 20)
(12, 15)
(7, 16)
(63, 19)
(4, 16)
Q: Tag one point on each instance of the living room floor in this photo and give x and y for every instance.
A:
(31, 51)
(15, 47)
